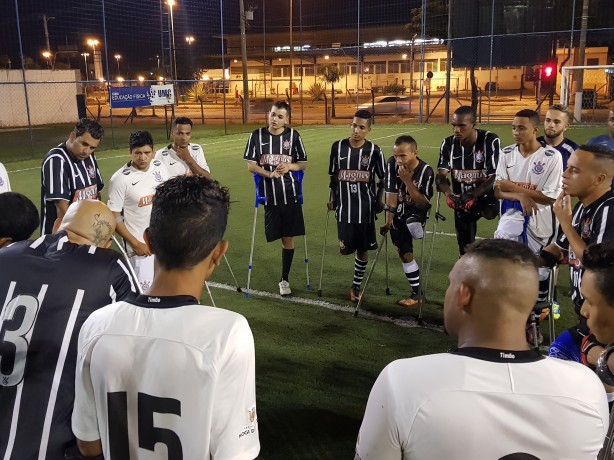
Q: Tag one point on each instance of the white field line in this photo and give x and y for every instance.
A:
(329, 306)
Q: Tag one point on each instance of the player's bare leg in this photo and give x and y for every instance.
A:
(287, 254)
(412, 273)
(360, 266)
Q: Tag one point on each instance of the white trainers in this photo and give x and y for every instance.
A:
(284, 288)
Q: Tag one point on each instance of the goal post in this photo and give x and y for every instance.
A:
(599, 79)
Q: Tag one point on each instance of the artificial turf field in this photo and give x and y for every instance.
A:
(315, 365)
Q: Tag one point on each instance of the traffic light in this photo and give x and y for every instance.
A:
(548, 76)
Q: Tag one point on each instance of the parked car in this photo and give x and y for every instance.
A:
(388, 105)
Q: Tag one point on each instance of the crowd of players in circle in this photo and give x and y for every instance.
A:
(103, 356)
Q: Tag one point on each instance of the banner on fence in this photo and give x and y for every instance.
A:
(141, 96)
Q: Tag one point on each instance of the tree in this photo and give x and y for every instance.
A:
(331, 73)
(5, 61)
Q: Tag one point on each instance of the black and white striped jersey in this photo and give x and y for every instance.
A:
(63, 178)
(354, 171)
(595, 224)
(470, 166)
(269, 151)
(422, 178)
(48, 288)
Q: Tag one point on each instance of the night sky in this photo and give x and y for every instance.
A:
(133, 27)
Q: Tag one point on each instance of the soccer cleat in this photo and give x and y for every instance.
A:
(284, 288)
(556, 310)
(354, 294)
(411, 301)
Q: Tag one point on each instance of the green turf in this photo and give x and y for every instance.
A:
(315, 367)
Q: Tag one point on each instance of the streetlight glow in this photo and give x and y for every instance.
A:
(47, 56)
(189, 39)
(92, 42)
(120, 79)
(141, 78)
(117, 58)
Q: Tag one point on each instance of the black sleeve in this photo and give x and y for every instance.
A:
(391, 176)
(444, 156)
(299, 149)
(252, 150)
(333, 166)
(427, 183)
(123, 283)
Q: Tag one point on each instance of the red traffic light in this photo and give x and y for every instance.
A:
(548, 71)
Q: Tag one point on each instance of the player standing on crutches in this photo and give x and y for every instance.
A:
(409, 188)
(272, 153)
(354, 163)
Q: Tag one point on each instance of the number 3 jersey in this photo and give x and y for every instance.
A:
(48, 288)
(165, 377)
(353, 169)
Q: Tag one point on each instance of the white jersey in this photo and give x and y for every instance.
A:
(483, 404)
(5, 185)
(132, 191)
(541, 171)
(175, 165)
(166, 370)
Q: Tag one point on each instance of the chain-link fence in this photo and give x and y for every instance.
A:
(409, 61)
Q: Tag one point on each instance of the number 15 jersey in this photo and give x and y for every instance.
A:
(353, 169)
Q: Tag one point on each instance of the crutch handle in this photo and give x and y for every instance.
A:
(259, 199)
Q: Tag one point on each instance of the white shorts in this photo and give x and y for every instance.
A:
(144, 270)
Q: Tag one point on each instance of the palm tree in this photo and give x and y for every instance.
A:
(331, 73)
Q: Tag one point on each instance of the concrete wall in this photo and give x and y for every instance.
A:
(52, 97)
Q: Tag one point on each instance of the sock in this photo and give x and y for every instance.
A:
(412, 273)
(286, 262)
(544, 285)
(359, 272)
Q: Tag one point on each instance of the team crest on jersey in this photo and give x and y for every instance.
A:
(538, 167)
(157, 176)
(145, 285)
(586, 229)
(165, 152)
(479, 156)
(157, 163)
(91, 172)
(195, 147)
(1, 182)
(549, 152)
(286, 145)
(251, 414)
(364, 161)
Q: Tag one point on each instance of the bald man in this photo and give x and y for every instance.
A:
(490, 398)
(48, 289)
(18, 218)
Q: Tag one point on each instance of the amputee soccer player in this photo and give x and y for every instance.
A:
(354, 163)
(18, 218)
(49, 287)
(70, 172)
(492, 397)
(160, 375)
(556, 123)
(409, 188)
(529, 174)
(588, 177)
(182, 156)
(273, 153)
(131, 190)
(471, 156)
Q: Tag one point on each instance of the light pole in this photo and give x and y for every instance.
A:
(47, 56)
(189, 40)
(97, 64)
(171, 3)
(117, 58)
(85, 55)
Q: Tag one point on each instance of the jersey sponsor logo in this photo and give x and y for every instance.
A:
(153, 299)
(134, 183)
(539, 167)
(469, 176)
(172, 163)
(549, 152)
(91, 172)
(157, 176)
(274, 160)
(126, 171)
(165, 153)
(195, 147)
(526, 185)
(157, 163)
(479, 156)
(145, 200)
(503, 355)
(508, 149)
(86, 193)
(286, 145)
(353, 175)
(364, 161)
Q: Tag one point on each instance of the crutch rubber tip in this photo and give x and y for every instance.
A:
(239, 289)
(247, 295)
(319, 292)
(356, 314)
(308, 287)
(387, 291)
(306, 261)
(249, 267)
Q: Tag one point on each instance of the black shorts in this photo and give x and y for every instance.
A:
(401, 238)
(283, 221)
(356, 237)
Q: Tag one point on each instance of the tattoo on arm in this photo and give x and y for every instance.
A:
(102, 230)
